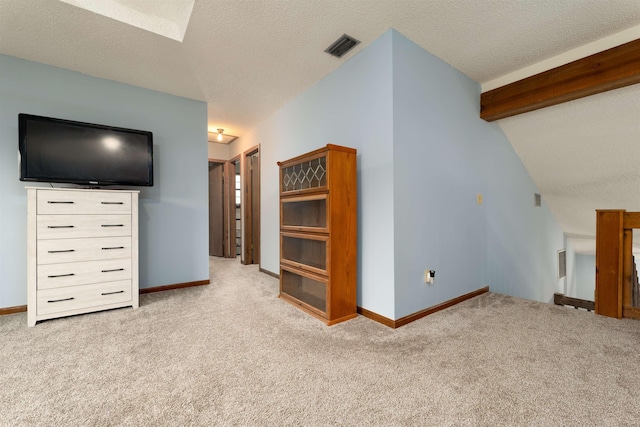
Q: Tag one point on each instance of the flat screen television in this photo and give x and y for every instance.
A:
(56, 150)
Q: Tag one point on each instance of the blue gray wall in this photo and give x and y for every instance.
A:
(423, 155)
(173, 213)
(585, 277)
(440, 149)
(570, 283)
(444, 156)
(353, 107)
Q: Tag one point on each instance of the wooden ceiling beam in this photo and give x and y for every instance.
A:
(610, 69)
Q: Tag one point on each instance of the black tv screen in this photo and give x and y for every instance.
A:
(56, 150)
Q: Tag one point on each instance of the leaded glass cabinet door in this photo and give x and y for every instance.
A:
(306, 175)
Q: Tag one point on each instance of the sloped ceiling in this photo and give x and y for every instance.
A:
(584, 155)
(247, 58)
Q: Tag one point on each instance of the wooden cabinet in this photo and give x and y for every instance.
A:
(82, 251)
(318, 229)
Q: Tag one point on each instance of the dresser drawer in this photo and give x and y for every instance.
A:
(75, 226)
(80, 297)
(83, 273)
(72, 250)
(83, 202)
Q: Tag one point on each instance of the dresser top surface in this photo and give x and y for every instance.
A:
(111, 190)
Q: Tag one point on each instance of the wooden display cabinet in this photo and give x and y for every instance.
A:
(318, 230)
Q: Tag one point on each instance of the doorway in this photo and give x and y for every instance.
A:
(251, 201)
(222, 209)
(236, 208)
(216, 208)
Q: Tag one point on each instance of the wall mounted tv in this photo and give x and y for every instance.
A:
(56, 150)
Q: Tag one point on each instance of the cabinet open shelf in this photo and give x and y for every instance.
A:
(305, 251)
(305, 288)
(305, 213)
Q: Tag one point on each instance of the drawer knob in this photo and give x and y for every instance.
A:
(60, 300)
(113, 225)
(58, 252)
(60, 202)
(61, 275)
(115, 247)
(112, 293)
(115, 269)
(60, 226)
(112, 203)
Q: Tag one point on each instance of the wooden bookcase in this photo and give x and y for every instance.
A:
(318, 229)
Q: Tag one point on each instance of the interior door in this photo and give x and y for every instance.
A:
(251, 220)
(255, 207)
(229, 214)
(216, 209)
(233, 219)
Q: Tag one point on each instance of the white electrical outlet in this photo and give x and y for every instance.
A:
(427, 276)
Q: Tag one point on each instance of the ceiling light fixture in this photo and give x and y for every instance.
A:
(219, 137)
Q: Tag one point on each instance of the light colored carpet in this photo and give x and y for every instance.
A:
(231, 353)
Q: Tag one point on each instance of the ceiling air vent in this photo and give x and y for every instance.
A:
(537, 200)
(341, 46)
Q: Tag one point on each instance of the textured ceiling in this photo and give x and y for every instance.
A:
(247, 58)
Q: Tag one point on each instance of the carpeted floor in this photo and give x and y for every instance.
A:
(232, 354)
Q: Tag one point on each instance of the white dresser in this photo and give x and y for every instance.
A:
(82, 251)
